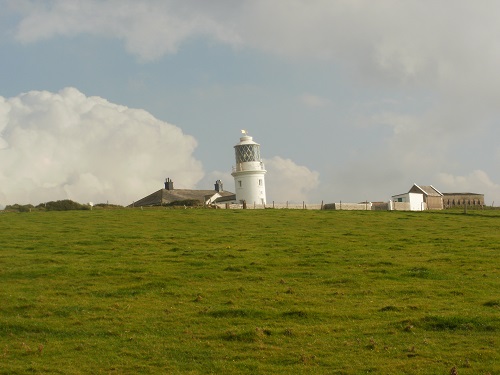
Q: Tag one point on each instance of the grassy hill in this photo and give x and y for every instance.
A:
(135, 291)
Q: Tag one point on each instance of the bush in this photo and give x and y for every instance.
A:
(186, 202)
(107, 205)
(64, 205)
(19, 207)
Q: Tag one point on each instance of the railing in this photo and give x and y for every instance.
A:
(248, 167)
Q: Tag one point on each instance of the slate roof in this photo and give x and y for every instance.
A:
(164, 196)
(462, 194)
(428, 190)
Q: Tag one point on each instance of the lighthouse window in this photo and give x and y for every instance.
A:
(247, 153)
(239, 183)
(260, 182)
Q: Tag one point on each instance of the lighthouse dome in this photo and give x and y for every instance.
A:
(247, 150)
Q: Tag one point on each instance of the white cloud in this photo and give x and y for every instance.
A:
(149, 29)
(208, 181)
(313, 101)
(382, 42)
(67, 145)
(385, 40)
(287, 181)
(400, 123)
(476, 182)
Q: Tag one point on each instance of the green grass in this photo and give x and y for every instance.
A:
(250, 291)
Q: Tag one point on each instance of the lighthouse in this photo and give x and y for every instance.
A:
(249, 172)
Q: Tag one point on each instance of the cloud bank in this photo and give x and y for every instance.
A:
(149, 29)
(287, 181)
(66, 145)
(385, 39)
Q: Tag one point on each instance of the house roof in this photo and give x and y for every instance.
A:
(165, 196)
(428, 190)
(462, 194)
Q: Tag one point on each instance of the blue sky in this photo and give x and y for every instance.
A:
(349, 100)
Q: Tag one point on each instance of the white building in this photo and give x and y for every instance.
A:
(408, 201)
(418, 198)
(249, 172)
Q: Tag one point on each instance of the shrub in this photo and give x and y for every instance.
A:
(64, 205)
(19, 207)
(186, 202)
(107, 205)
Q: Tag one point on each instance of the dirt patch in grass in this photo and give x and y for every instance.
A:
(459, 323)
(493, 303)
(235, 313)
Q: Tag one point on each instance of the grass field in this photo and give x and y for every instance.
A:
(249, 292)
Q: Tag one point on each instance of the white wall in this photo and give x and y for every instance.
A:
(250, 190)
(415, 200)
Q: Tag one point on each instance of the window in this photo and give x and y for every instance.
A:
(260, 182)
(245, 153)
(239, 183)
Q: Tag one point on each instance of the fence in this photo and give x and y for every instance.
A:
(286, 205)
(365, 206)
(340, 206)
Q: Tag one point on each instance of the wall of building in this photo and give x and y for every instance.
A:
(458, 200)
(401, 206)
(409, 202)
(434, 203)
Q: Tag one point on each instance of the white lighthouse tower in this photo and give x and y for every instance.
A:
(249, 172)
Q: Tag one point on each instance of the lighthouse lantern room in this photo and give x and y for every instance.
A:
(249, 172)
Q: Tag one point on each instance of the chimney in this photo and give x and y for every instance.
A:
(169, 184)
(218, 186)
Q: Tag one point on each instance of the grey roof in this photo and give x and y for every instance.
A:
(164, 196)
(431, 191)
(462, 194)
(428, 190)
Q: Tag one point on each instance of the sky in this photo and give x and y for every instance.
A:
(350, 100)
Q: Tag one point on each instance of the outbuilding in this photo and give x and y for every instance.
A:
(418, 198)
(463, 199)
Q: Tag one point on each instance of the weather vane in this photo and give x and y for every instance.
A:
(243, 131)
